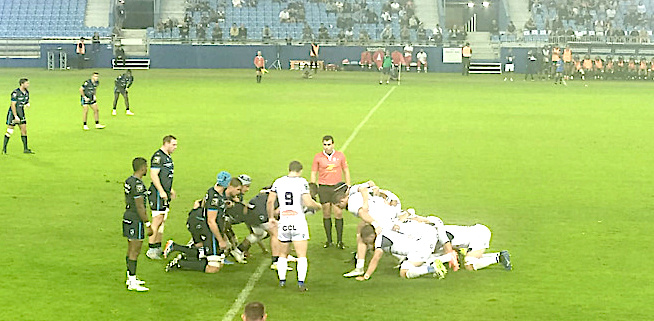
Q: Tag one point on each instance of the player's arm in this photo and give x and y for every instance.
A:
(154, 177)
(309, 202)
(372, 266)
(270, 206)
(212, 221)
(13, 110)
(140, 209)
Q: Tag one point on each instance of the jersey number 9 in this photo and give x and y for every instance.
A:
(289, 198)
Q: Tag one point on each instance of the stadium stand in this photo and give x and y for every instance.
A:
(297, 20)
(45, 19)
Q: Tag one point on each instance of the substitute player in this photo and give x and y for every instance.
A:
(259, 65)
(329, 166)
(135, 221)
(162, 169)
(509, 66)
(20, 99)
(87, 91)
(121, 84)
(292, 194)
(408, 54)
(421, 56)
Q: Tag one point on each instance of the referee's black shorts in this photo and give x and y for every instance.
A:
(326, 193)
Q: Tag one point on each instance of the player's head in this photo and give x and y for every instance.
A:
(234, 187)
(246, 181)
(24, 83)
(129, 71)
(95, 76)
(169, 144)
(328, 144)
(254, 311)
(223, 178)
(140, 165)
(295, 167)
(259, 53)
(368, 234)
(341, 196)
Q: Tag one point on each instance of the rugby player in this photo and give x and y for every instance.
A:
(121, 84)
(161, 192)
(134, 220)
(20, 99)
(292, 194)
(329, 166)
(87, 91)
(417, 251)
(208, 231)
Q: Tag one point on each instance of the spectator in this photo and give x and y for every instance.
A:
(96, 42)
(242, 32)
(183, 31)
(217, 34)
(120, 14)
(364, 37)
(495, 28)
(266, 34)
(284, 16)
(349, 35)
(386, 17)
(530, 25)
(405, 34)
(323, 33)
(387, 34)
(233, 32)
(201, 32)
(120, 55)
(254, 311)
(421, 33)
(307, 33)
(511, 28)
(237, 3)
(340, 38)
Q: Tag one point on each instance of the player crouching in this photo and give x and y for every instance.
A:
(416, 250)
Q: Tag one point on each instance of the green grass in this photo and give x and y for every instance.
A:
(561, 175)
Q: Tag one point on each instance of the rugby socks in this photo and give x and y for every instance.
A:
(282, 266)
(302, 268)
(258, 78)
(131, 266)
(485, 260)
(190, 252)
(275, 258)
(418, 271)
(360, 263)
(339, 229)
(193, 265)
(327, 223)
(24, 139)
(153, 245)
(244, 246)
(4, 145)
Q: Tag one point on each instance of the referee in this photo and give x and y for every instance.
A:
(330, 165)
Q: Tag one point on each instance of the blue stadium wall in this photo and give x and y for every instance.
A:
(234, 56)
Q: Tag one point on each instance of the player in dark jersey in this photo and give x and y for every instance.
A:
(161, 192)
(121, 84)
(88, 99)
(135, 221)
(216, 200)
(20, 99)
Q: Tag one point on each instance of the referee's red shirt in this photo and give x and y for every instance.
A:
(330, 168)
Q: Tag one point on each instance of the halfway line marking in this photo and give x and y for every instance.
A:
(365, 119)
(240, 300)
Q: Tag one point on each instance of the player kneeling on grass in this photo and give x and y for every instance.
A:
(208, 229)
(472, 242)
(416, 250)
(134, 221)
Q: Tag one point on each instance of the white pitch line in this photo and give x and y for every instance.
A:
(365, 119)
(240, 300)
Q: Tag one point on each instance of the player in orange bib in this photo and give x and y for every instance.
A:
(328, 168)
(260, 65)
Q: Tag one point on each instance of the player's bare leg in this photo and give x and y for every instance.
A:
(156, 237)
(85, 113)
(361, 254)
(128, 112)
(475, 260)
(10, 130)
(327, 223)
(96, 116)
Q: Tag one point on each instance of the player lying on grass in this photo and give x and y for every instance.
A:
(417, 251)
(375, 210)
(471, 241)
(207, 230)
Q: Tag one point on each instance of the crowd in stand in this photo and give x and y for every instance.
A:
(608, 20)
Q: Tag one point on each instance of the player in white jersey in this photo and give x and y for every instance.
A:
(408, 54)
(374, 210)
(421, 56)
(472, 242)
(416, 249)
(292, 193)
